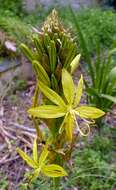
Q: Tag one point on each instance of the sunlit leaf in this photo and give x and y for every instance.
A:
(68, 86)
(54, 170)
(35, 152)
(27, 159)
(89, 112)
(51, 95)
(75, 62)
(47, 111)
(43, 156)
(79, 91)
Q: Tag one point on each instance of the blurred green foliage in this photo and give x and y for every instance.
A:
(14, 7)
(98, 26)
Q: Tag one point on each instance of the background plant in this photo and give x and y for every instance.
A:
(97, 25)
(102, 88)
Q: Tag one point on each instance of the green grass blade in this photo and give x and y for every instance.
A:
(83, 44)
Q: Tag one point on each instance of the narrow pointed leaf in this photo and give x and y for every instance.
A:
(54, 170)
(35, 152)
(89, 112)
(79, 91)
(68, 86)
(43, 156)
(75, 62)
(26, 158)
(51, 95)
(41, 73)
(47, 111)
(112, 75)
(27, 52)
(108, 97)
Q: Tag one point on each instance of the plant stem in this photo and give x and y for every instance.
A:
(56, 183)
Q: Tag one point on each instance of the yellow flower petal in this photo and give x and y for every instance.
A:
(35, 152)
(27, 159)
(53, 170)
(89, 112)
(47, 111)
(51, 95)
(75, 62)
(35, 174)
(43, 156)
(79, 91)
(68, 86)
(69, 127)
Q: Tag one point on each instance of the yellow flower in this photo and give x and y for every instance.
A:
(39, 164)
(67, 107)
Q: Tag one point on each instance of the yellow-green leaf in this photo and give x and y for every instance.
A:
(75, 62)
(27, 159)
(79, 91)
(47, 111)
(89, 112)
(41, 73)
(43, 156)
(35, 152)
(68, 86)
(28, 53)
(53, 170)
(51, 95)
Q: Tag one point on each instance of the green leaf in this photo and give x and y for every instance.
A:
(35, 152)
(92, 91)
(75, 62)
(41, 73)
(113, 51)
(68, 86)
(54, 170)
(89, 112)
(38, 44)
(26, 158)
(51, 95)
(108, 97)
(79, 91)
(83, 44)
(47, 111)
(54, 82)
(53, 49)
(27, 52)
(112, 75)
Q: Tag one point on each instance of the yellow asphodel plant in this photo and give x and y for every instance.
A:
(66, 106)
(40, 164)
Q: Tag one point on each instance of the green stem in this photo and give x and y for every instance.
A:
(38, 131)
(56, 183)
